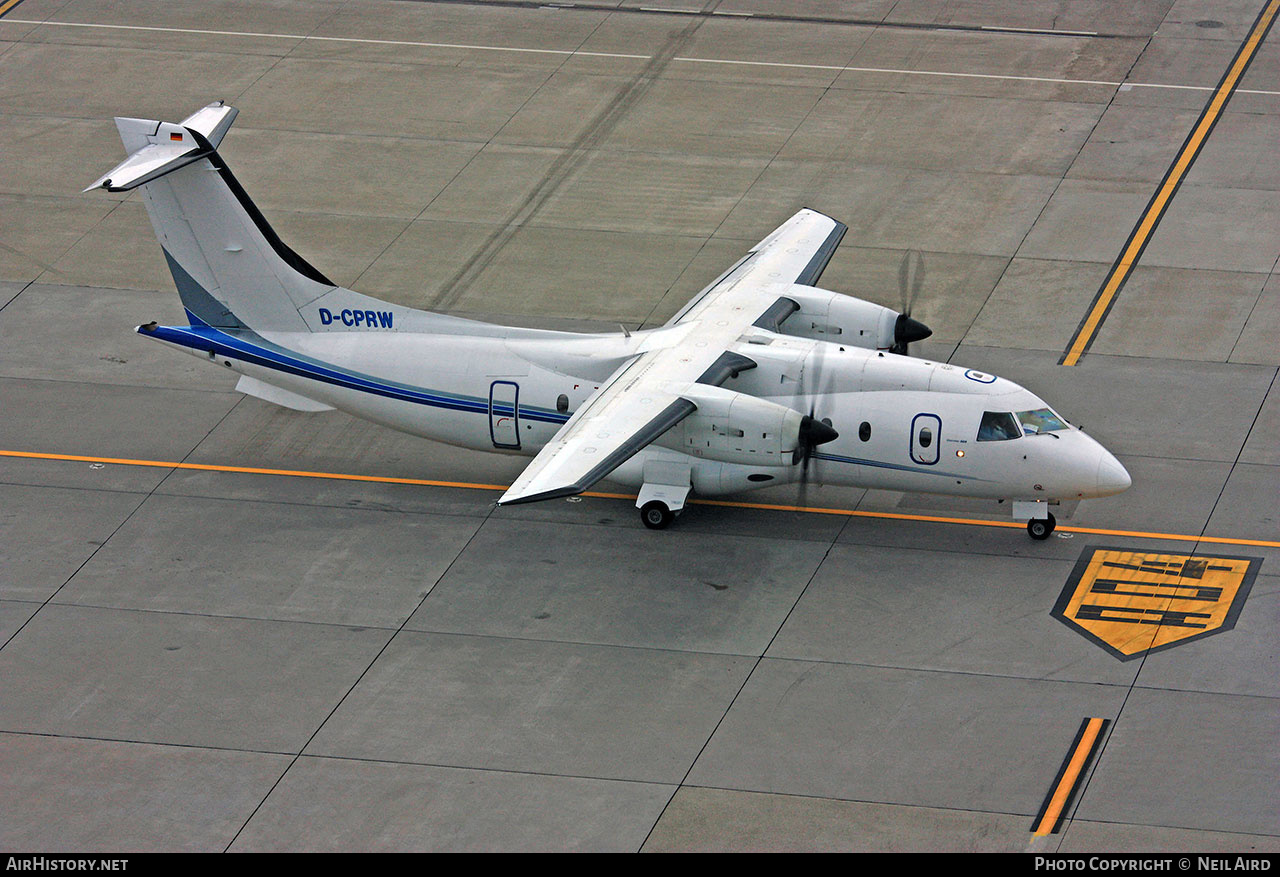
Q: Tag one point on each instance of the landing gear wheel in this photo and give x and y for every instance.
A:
(656, 515)
(1040, 528)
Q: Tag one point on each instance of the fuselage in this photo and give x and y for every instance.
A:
(761, 378)
(904, 423)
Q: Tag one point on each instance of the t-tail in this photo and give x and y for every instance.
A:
(231, 269)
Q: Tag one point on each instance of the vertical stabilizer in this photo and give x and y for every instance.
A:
(230, 267)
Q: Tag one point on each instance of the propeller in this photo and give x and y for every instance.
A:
(910, 281)
(813, 432)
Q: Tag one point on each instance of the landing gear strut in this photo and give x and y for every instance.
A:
(1040, 528)
(666, 486)
(656, 515)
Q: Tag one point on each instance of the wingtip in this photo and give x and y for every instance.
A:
(556, 493)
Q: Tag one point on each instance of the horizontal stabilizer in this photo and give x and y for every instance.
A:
(211, 122)
(167, 148)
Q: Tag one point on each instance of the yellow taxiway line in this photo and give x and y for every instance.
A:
(1151, 217)
(469, 485)
(1070, 777)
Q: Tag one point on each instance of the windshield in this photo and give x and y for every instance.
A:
(1040, 420)
(998, 426)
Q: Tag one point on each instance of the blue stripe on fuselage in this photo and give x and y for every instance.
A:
(258, 351)
(252, 348)
(878, 464)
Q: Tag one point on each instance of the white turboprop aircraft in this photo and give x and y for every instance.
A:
(761, 379)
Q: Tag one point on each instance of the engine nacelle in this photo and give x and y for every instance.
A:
(843, 319)
(736, 428)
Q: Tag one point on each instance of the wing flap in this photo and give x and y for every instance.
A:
(575, 460)
(631, 411)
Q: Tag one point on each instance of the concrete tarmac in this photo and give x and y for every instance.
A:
(207, 659)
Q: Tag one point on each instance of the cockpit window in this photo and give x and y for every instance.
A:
(998, 426)
(1040, 420)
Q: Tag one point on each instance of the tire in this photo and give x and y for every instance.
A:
(1041, 528)
(656, 515)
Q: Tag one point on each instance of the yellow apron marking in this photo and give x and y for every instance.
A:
(468, 485)
(1132, 602)
(1128, 259)
(1069, 778)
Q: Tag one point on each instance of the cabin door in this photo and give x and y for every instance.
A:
(504, 414)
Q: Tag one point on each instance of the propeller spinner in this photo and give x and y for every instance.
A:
(907, 330)
(813, 432)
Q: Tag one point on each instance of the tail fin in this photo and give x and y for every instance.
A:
(231, 269)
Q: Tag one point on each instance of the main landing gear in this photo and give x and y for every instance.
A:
(666, 486)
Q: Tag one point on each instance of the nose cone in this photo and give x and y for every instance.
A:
(1112, 477)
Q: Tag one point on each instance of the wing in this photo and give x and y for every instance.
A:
(650, 393)
(796, 252)
(614, 425)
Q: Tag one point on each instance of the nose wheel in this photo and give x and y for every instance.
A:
(1040, 528)
(656, 515)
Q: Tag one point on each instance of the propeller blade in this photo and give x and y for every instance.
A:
(910, 279)
(812, 431)
(910, 282)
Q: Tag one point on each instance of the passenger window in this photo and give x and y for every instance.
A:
(926, 437)
(562, 403)
(864, 431)
(998, 426)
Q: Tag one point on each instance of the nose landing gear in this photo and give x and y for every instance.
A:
(1040, 528)
(656, 515)
(1040, 521)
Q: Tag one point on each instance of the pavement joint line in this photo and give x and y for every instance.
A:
(624, 56)
(747, 679)
(1136, 244)
(758, 506)
(360, 678)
